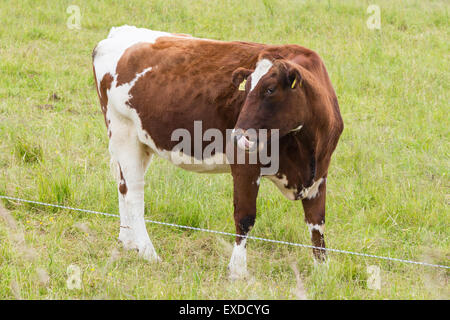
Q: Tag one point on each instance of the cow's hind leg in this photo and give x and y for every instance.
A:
(315, 219)
(131, 159)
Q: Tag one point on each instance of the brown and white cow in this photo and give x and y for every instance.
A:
(152, 83)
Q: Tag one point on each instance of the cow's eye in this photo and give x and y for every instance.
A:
(269, 91)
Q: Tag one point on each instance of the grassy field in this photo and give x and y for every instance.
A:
(388, 186)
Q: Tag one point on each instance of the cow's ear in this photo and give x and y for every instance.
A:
(239, 75)
(294, 77)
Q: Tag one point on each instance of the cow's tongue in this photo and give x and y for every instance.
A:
(244, 143)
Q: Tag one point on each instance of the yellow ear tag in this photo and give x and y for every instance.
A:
(293, 83)
(242, 85)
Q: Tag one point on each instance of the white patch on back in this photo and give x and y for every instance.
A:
(109, 50)
(122, 93)
(262, 67)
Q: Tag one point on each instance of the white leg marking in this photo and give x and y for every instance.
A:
(133, 159)
(238, 261)
(318, 227)
(321, 229)
(133, 233)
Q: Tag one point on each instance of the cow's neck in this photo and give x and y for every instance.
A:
(302, 160)
(313, 139)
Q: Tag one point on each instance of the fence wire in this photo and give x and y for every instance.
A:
(231, 234)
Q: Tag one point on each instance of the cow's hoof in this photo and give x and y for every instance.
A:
(145, 250)
(148, 252)
(238, 276)
(239, 273)
(321, 262)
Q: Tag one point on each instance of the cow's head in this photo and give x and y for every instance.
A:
(276, 99)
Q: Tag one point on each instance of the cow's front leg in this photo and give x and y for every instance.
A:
(246, 184)
(314, 207)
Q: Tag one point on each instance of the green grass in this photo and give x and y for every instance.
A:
(388, 182)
